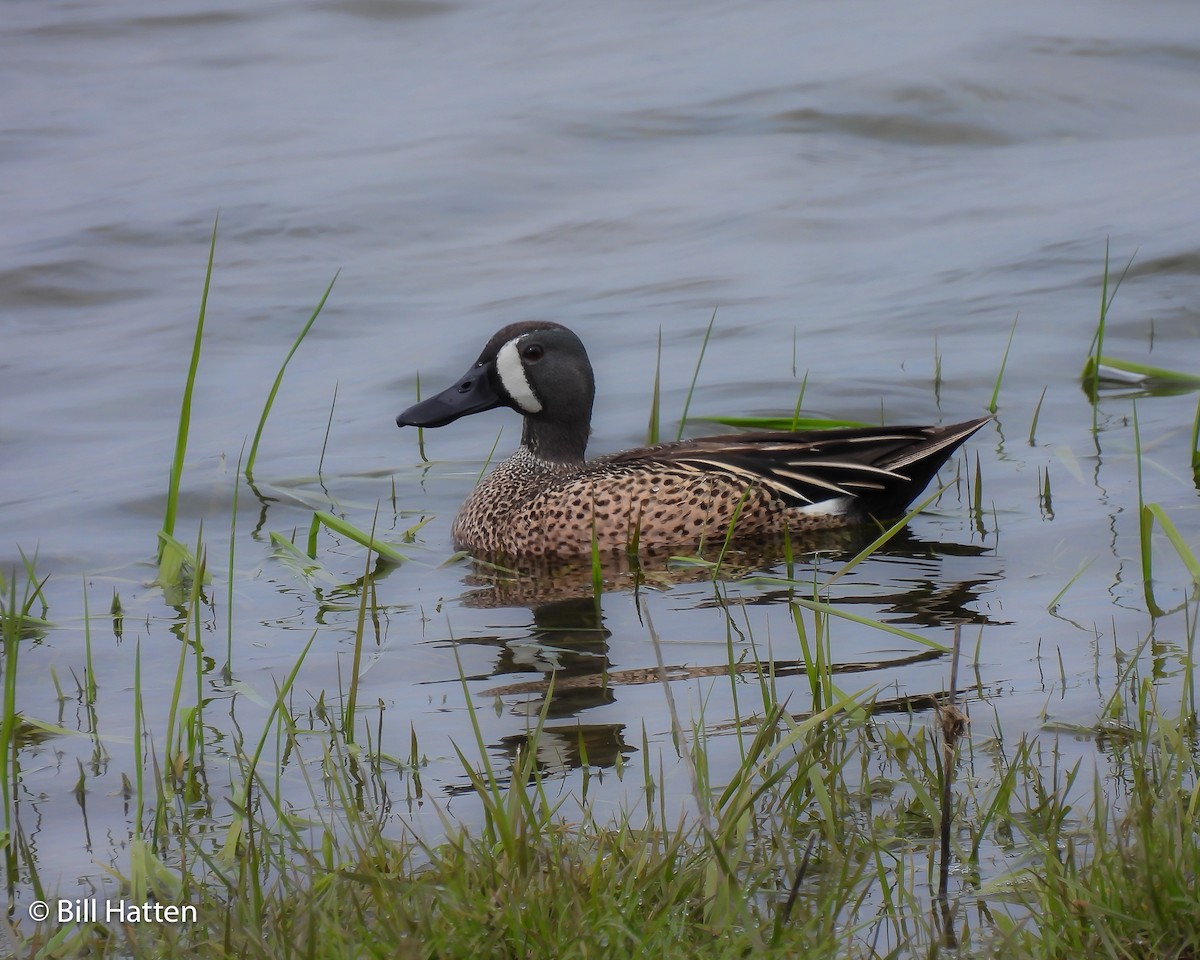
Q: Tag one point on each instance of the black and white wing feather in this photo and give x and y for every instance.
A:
(882, 467)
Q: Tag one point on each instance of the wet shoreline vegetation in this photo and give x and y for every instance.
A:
(851, 827)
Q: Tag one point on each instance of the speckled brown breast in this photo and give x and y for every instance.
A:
(528, 508)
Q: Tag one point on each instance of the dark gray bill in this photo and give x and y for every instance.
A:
(472, 393)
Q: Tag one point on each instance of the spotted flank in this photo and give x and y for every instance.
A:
(547, 499)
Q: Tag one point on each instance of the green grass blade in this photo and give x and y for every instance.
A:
(1050, 607)
(1105, 302)
(1141, 374)
(11, 628)
(1181, 546)
(729, 532)
(870, 549)
(227, 669)
(597, 569)
(337, 525)
(937, 372)
(1091, 367)
(1145, 525)
(790, 424)
(262, 421)
(139, 766)
(304, 566)
(89, 669)
(177, 566)
(795, 424)
(328, 430)
(695, 375)
(652, 428)
(1003, 364)
(1145, 530)
(359, 631)
(420, 430)
(1037, 412)
(830, 610)
(1196, 447)
(278, 708)
(185, 409)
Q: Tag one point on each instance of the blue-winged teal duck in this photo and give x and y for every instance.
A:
(548, 500)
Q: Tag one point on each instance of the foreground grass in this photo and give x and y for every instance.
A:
(822, 843)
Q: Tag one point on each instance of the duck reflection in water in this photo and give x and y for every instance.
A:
(907, 581)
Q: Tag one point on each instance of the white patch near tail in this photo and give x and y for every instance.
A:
(512, 376)
(833, 507)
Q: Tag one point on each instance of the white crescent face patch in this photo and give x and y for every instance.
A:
(512, 376)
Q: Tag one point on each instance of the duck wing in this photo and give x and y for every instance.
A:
(883, 467)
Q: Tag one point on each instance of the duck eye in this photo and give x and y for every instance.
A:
(533, 352)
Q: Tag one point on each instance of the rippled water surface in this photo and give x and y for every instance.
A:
(868, 195)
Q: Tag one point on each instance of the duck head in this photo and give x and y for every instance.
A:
(538, 368)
